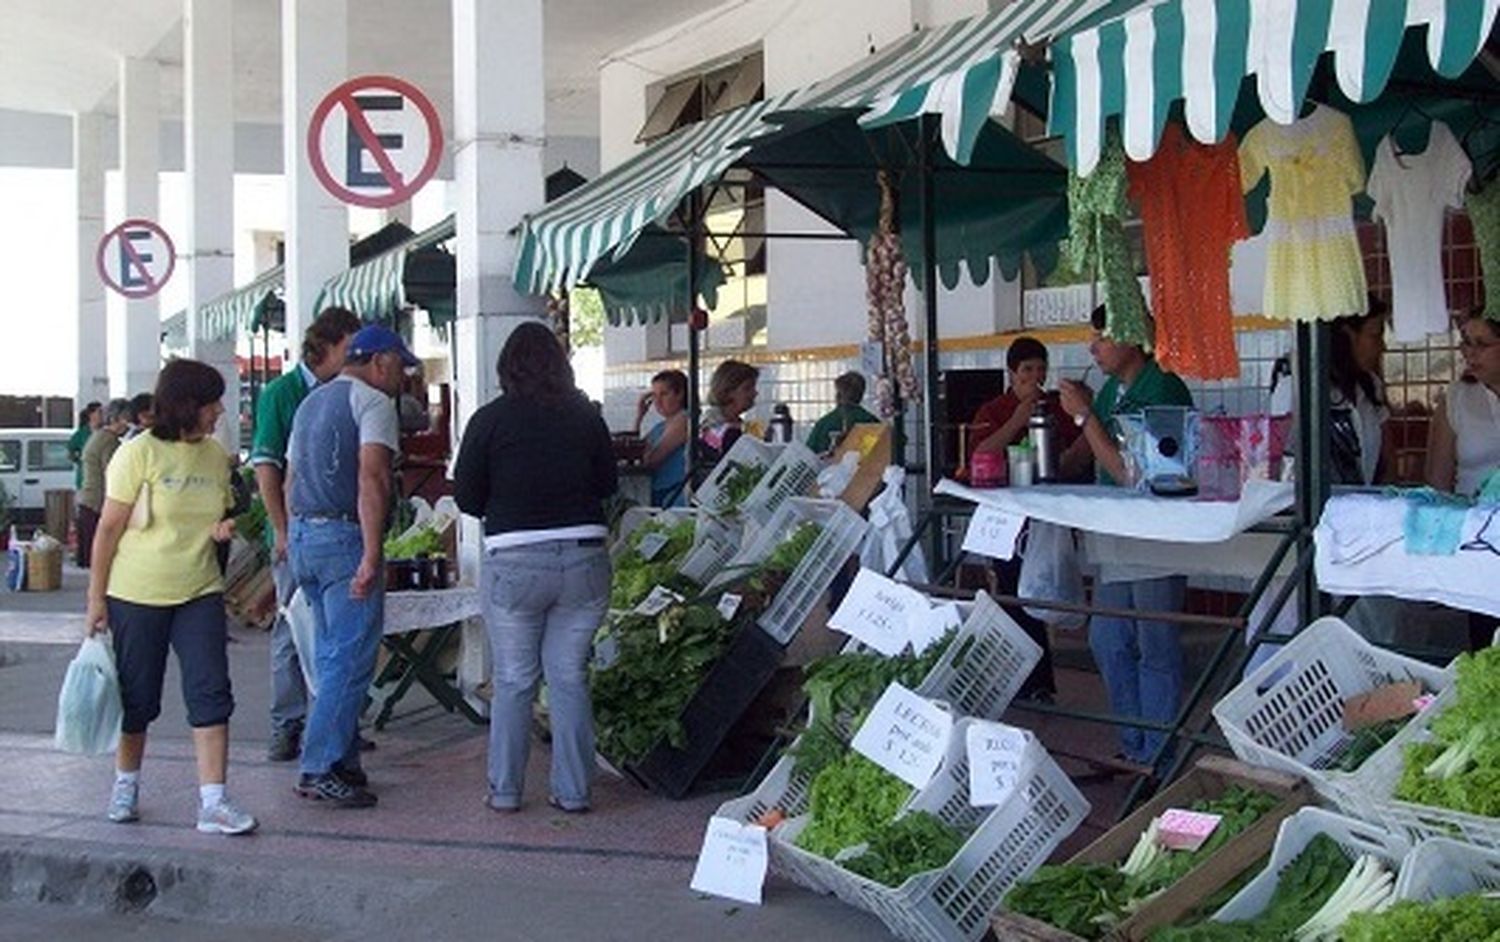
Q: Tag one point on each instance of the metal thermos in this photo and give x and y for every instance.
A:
(779, 430)
(1041, 431)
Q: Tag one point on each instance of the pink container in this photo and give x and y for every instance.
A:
(1234, 449)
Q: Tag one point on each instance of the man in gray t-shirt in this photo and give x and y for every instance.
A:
(339, 488)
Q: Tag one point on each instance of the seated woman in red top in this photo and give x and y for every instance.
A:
(1002, 422)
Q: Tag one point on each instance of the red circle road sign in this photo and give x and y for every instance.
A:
(136, 258)
(374, 141)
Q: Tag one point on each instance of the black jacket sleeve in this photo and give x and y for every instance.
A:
(471, 476)
(606, 473)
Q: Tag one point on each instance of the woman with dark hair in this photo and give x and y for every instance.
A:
(1358, 448)
(156, 584)
(666, 441)
(537, 464)
(731, 393)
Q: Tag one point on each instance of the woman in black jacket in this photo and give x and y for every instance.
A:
(537, 465)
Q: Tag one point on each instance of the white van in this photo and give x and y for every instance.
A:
(34, 461)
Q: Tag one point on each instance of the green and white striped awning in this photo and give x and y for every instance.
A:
(561, 244)
(964, 71)
(226, 316)
(375, 289)
(1134, 66)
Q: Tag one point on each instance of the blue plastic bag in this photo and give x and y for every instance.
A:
(88, 706)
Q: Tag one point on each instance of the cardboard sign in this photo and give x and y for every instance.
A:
(1180, 829)
(660, 599)
(651, 546)
(993, 532)
(729, 603)
(374, 141)
(929, 628)
(732, 863)
(1390, 702)
(878, 612)
(135, 258)
(997, 755)
(906, 735)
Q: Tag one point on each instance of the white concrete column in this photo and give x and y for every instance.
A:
(93, 317)
(499, 117)
(314, 59)
(208, 126)
(140, 159)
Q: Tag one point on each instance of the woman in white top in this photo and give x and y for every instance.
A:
(1463, 440)
(1358, 446)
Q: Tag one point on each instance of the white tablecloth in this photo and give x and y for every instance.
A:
(433, 608)
(1361, 550)
(1114, 511)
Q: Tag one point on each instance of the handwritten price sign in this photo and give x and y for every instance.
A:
(993, 532)
(879, 612)
(732, 863)
(997, 762)
(907, 735)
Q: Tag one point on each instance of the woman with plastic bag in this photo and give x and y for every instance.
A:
(156, 584)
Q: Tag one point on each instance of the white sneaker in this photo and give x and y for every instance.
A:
(222, 817)
(122, 803)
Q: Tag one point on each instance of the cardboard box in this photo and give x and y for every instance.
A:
(873, 441)
(1211, 777)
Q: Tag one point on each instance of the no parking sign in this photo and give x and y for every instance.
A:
(135, 258)
(374, 141)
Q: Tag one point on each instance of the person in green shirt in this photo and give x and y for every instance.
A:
(1140, 659)
(323, 349)
(89, 421)
(827, 432)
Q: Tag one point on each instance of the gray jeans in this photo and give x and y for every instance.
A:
(288, 690)
(542, 605)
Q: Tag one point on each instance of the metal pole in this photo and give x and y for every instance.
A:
(1313, 344)
(926, 133)
(694, 255)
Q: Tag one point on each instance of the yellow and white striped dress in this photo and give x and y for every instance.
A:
(1314, 269)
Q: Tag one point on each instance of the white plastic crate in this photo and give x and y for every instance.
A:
(984, 666)
(1419, 821)
(1006, 844)
(745, 451)
(1288, 713)
(1357, 838)
(715, 541)
(793, 474)
(1439, 868)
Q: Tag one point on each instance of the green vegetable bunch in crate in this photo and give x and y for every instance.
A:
(1460, 768)
(635, 577)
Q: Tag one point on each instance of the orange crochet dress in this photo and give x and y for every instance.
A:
(1192, 210)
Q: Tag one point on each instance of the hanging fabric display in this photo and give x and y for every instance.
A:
(1314, 270)
(885, 286)
(1484, 213)
(1097, 244)
(1412, 194)
(1192, 212)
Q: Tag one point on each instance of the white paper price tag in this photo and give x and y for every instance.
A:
(732, 863)
(907, 735)
(729, 603)
(993, 532)
(878, 612)
(929, 628)
(660, 599)
(651, 545)
(996, 762)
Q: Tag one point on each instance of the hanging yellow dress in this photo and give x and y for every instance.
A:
(1314, 268)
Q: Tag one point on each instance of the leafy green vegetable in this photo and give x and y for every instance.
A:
(1240, 808)
(847, 685)
(736, 485)
(423, 542)
(849, 801)
(1472, 917)
(1367, 742)
(1079, 898)
(635, 577)
(1460, 769)
(900, 849)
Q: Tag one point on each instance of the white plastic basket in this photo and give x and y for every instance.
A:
(1355, 837)
(988, 660)
(715, 541)
(1420, 821)
(1288, 713)
(793, 474)
(745, 451)
(1439, 868)
(843, 531)
(1008, 842)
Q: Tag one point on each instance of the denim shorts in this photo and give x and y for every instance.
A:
(198, 632)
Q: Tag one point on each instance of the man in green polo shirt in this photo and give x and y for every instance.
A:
(89, 421)
(322, 357)
(1139, 659)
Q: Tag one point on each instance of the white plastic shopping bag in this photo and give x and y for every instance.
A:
(88, 706)
(890, 529)
(1050, 570)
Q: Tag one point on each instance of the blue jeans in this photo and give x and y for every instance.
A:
(288, 691)
(1141, 661)
(542, 606)
(325, 555)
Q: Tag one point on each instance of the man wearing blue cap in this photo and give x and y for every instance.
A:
(339, 484)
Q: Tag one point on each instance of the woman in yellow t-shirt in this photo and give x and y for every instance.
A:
(156, 584)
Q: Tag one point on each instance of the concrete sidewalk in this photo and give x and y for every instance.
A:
(431, 859)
